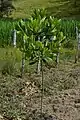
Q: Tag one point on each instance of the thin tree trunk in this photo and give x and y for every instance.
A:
(23, 64)
(42, 89)
(23, 61)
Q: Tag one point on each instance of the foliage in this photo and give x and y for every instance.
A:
(6, 7)
(6, 27)
(5, 32)
(40, 32)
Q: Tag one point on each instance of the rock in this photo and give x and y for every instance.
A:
(77, 105)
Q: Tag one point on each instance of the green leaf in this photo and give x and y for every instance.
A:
(47, 60)
(33, 62)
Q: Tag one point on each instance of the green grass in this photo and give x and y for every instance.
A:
(6, 26)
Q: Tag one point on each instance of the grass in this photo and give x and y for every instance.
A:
(59, 8)
(24, 8)
(6, 27)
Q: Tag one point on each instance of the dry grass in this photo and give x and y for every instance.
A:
(59, 8)
(25, 7)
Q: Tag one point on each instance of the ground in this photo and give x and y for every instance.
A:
(58, 8)
(20, 99)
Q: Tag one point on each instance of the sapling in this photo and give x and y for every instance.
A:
(45, 55)
(38, 47)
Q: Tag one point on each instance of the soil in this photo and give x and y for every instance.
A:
(61, 100)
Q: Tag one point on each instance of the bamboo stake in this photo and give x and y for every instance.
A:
(38, 66)
(76, 56)
(14, 38)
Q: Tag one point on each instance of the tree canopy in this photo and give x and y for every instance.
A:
(6, 7)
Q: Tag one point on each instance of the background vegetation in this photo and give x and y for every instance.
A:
(6, 26)
(58, 8)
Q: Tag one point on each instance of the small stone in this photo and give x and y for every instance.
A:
(77, 105)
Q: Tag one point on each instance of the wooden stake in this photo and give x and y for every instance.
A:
(38, 66)
(14, 38)
(76, 56)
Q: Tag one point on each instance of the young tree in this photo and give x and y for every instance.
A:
(39, 47)
(6, 7)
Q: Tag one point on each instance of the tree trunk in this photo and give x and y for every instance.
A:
(42, 88)
(23, 60)
(23, 64)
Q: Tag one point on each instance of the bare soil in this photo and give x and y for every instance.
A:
(20, 99)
